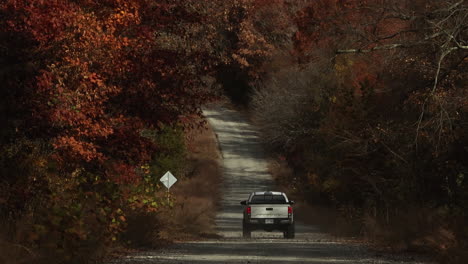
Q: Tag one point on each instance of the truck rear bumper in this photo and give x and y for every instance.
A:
(276, 221)
(264, 224)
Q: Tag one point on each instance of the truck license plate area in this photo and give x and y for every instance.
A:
(269, 221)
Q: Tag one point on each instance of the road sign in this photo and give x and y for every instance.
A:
(168, 179)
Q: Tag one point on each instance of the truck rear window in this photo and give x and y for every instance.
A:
(268, 199)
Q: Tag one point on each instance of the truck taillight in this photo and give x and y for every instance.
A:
(289, 210)
(248, 210)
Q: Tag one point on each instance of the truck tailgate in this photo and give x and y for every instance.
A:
(269, 211)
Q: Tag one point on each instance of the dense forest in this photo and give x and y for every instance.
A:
(372, 117)
(366, 102)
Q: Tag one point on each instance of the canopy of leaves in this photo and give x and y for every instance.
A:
(95, 99)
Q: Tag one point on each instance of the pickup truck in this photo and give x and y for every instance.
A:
(268, 211)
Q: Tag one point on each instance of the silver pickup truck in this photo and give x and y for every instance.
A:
(268, 211)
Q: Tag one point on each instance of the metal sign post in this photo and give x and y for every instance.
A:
(168, 180)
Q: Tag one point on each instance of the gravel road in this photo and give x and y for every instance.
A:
(245, 170)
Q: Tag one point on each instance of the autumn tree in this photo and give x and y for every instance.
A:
(90, 89)
(372, 116)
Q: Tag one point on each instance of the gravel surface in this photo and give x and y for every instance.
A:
(245, 170)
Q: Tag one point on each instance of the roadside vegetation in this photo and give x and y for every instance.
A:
(98, 101)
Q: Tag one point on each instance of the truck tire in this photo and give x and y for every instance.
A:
(290, 232)
(246, 232)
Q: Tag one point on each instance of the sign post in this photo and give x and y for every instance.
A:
(168, 180)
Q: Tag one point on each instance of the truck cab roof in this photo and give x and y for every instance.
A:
(268, 197)
(267, 193)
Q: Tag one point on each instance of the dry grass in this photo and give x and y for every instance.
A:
(418, 230)
(12, 251)
(142, 230)
(15, 253)
(327, 219)
(196, 195)
(414, 230)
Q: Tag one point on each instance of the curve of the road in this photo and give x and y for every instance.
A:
(245, 170)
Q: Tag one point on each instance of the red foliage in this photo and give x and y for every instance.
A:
(102, 79)
(122, 173)
(321, 22)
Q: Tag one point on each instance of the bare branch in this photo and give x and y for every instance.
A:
(445, 30)
(391, 46)
(384, 47)
(394, 153)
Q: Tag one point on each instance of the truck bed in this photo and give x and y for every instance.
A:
(269, 211)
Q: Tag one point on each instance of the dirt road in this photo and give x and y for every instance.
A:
(245, 170)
